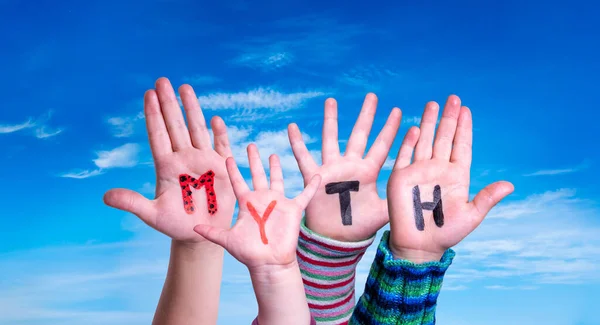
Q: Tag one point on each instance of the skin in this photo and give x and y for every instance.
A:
(369, 211)
(273, 267)
(444, 161)
(195, 266)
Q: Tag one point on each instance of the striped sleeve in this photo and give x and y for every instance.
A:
(328, 267)
(399, 291)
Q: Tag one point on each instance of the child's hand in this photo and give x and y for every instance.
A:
(429, 199)
(192, 186)
(266, 231)
(346, 206)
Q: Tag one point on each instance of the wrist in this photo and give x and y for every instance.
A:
(272, 274)
(416, 256)
(193, 250)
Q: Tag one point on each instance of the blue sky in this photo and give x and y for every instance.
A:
(74, 74)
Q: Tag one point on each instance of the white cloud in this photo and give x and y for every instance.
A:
(416, 120)
(123, 127)
(123, 156)
(503, 287)
(265, 60)
(389, 163)
(560, 171)
(43, 132)
(546, 238)
(260, 98)
(89, 275)
(40, 127)
(534, 204)
(10, 128)
(370, 77)
(147, 188)
(82, 174)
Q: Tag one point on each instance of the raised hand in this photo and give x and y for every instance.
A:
(429, 198)
(346, 206)
(192, 186)
(266, 231)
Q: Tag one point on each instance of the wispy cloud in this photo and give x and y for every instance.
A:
(40, 127)
(260, 98)
(270, 142)
(43, 132)
(503, 287)
(545, 238)
(125, 156)
(88, 275)
(123, 127)
(10, 128)
(370, 78)
(147, 188)
(535, 204)
(414, 120)
(265, 60)
(559, 171)
(389, 163)
(303, 40)
(82, 174)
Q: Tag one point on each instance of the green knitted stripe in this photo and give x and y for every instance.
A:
(386, 281)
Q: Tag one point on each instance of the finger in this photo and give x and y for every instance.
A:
(442, 147)
(219, 129)
(131, 202)
(462, 150)
(305, 161)
(160, 143)
(180, 137)
(259, 178)
(360, 133)
(240, 188)
(407, 148)
(309, 191)
(195, 119)
(331, 146)
(488, 197)
(428, 121)
(276, 174)
(216, 235)
(381, 147)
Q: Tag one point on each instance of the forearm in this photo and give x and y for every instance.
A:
(399, 291)
(192, 287)
(328, 270)
(280, 295)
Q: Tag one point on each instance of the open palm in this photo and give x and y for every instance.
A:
(178, 152)
(266, 231)
(429, 199)
(368, 211)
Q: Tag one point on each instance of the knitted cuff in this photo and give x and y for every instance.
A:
(399, 291)
(328, 267)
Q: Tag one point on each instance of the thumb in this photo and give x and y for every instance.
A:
(132, 202)
(215, 235)
(309, 191)
(384, 216)
(488, 197)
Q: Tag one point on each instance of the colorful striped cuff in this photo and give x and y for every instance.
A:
(255, 321)
(399, 291)
(328, 267)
